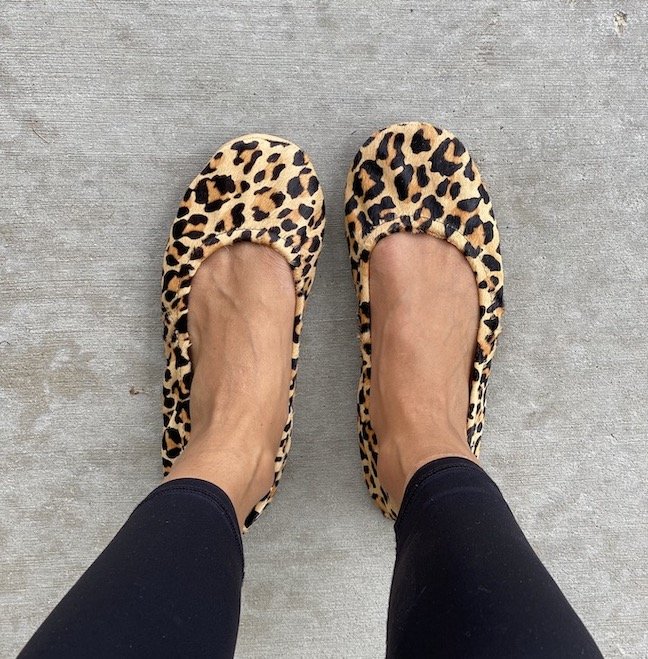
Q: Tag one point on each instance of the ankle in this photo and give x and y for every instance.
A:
(411, 437)
(243, 469)
(399, 460)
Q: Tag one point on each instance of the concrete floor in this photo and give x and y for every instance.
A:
(108, 109)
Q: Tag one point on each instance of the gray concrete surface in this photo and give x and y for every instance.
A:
(108, 109)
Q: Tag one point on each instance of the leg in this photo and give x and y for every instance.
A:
(169, 583)
(466, 581)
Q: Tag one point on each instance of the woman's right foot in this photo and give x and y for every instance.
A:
(424, 317)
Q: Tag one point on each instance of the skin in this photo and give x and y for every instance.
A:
(241, 311)
(424, 315)
(424, 318)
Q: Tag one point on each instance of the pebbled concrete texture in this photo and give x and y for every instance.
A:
(108, 109)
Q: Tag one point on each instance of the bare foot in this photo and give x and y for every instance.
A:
(241, 311)
(424, 318)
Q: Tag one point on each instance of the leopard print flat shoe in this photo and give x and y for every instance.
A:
(417, 178)
(256, 188)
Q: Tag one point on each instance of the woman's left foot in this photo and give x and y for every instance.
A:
(241, 310)
(238, 266)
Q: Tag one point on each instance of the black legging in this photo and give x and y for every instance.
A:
(466, 581)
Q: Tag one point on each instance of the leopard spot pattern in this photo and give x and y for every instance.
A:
(256, 188)
(417, 178)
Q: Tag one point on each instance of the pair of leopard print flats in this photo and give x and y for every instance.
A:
(409, 177)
